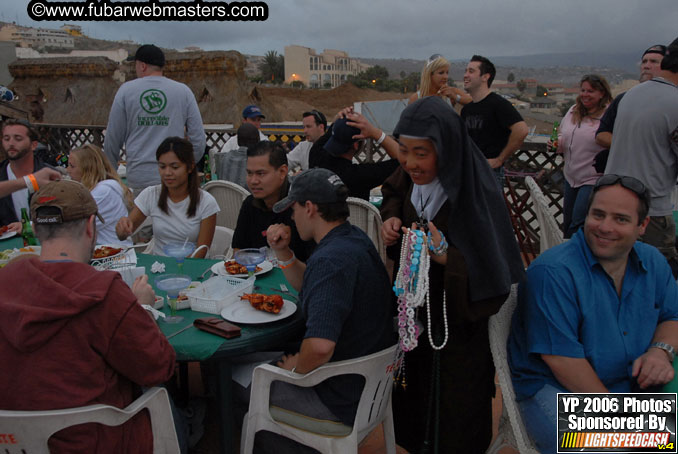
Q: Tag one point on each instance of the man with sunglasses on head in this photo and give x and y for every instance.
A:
(596, 314)
(315, 125)
(645, 146)
(650, 66)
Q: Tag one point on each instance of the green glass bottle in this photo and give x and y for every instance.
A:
(26, 229)
(207, 169)
(554, 137)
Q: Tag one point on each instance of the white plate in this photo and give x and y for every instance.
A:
(220, 269)
(7, 235)
(243, 312)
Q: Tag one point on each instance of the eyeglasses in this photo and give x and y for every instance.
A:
(630, 183)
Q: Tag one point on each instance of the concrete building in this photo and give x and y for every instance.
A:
(7, 56)
(36, 37)
(328, 69)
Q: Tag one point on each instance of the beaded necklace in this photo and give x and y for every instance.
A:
(412, 289)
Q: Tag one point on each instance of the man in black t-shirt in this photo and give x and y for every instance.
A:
(493, 123)
(267, 181)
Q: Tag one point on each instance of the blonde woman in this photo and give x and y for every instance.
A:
(434, 79)
(89, 166)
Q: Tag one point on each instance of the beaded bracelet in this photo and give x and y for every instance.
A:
(442, 247)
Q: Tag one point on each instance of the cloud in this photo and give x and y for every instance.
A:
(407, 29)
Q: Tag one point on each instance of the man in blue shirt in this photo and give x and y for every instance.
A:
(596, 314)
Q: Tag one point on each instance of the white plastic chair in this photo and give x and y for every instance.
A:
(511, 428)
(221, 244)
(32, 429)
(374, 406)
(229, 198)
(366, 216)
(549, 233)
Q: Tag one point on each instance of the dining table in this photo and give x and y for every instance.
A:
(196, 345)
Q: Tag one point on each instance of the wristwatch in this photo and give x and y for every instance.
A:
(667, 348)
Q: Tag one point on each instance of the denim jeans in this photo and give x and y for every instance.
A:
(575, 204)
(540, 415)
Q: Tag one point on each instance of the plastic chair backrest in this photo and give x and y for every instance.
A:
(30, 430)
(229, 197)
(499, 328)
(550, 234)
(221, 243)
(374, 406)
(366, 216)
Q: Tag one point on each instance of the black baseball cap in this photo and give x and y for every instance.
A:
(149, 54)
(316, 185)
(342, 137)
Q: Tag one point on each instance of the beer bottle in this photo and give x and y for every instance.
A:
(554, 137)
(207, 169)
(27, 230)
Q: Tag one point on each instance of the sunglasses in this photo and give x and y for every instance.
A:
(657, 49)
(433, 58)
(629, 183)
(319, 117)
(590, 78)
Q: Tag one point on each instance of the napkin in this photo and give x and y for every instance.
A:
(130, 273)
(158, 267)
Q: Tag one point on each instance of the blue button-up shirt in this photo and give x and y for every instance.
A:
(568, 306)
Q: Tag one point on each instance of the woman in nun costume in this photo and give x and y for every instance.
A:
(444, 186)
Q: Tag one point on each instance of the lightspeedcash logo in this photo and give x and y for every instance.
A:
(105, 10)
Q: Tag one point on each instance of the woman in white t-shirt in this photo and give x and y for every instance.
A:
(89, 166)
(178, 207)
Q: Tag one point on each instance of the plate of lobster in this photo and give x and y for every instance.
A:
(259, 308)
(233, 268)
(5, 233)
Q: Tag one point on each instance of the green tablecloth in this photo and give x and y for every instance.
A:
(196, 345)
(11, 243)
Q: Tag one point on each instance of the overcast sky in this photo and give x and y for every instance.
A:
(412, 28)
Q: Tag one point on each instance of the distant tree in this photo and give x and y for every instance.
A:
(511, 77)
(327, 85)
(411, 82)
(273, 67)
(403, 74)
(521, 85)
(541, 92)
(374, 77)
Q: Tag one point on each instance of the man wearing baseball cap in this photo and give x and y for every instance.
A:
(344, 297)
(345, 139)
(77, 336)
(645, 146)
(650, 66)
(145, 112)
(252, 115)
